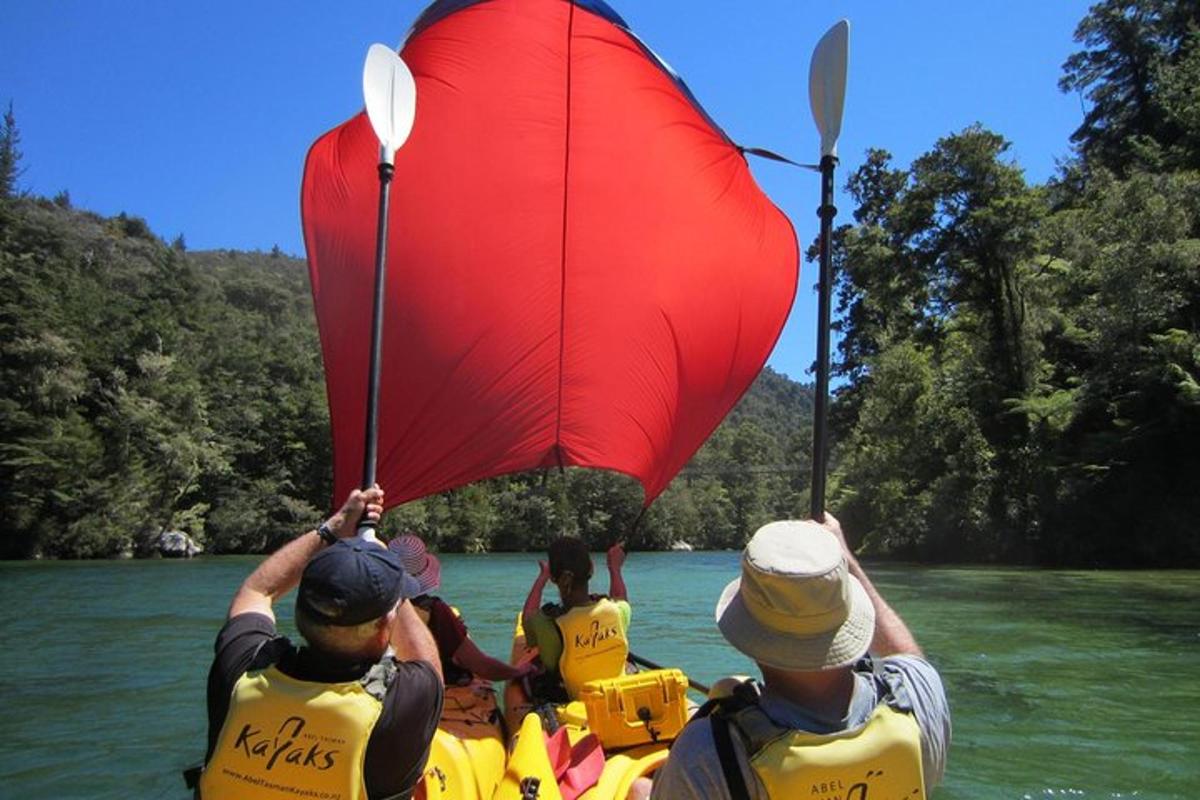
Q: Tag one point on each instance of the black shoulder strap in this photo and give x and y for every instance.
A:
(725, 752)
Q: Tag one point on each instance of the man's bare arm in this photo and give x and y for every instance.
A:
(892, 636)
(411, 640)
(281, 572)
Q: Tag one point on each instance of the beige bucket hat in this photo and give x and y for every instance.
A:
(796, 606)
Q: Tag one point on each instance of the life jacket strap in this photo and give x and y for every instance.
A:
(729, 763)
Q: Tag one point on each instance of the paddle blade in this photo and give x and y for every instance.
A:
(827, 84)
(391, 97)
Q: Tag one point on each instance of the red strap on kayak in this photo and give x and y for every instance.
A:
(577, 768)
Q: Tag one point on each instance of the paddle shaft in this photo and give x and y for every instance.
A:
(820, 448)
(642, 662)
(370, 446)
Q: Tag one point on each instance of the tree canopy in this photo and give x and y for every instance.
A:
(1021, 361)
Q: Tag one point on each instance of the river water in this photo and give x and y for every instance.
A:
(1062, 684)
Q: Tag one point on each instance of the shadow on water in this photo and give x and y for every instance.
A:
(1062, 684)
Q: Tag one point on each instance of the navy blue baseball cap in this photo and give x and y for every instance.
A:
(353, 581)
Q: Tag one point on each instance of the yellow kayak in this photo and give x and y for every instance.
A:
(467, 757)
(631, 720)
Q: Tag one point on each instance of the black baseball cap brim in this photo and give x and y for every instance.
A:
(353, 581)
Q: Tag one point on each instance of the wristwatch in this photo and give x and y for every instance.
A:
(326, 533)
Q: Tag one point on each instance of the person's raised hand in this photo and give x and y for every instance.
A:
(831, 524)
(616, 556)
(345, 521)
(543, 572)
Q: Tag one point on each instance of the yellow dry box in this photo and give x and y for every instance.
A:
(637, 709)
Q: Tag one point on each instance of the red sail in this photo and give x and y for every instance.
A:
(581, 269)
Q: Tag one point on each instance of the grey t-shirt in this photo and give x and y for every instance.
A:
(694, 770)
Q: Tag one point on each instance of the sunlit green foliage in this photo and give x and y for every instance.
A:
(146, 390)
(1139, 69)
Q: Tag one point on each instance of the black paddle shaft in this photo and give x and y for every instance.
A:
(648, 664)
(371, 445)
(820, 448)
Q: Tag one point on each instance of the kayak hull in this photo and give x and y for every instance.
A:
(468, 753)
(528, 752)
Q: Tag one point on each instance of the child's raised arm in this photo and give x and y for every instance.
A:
(533, 602)
(616, 584)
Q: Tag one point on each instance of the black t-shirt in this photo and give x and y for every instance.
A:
(399, 743)
(449, 632)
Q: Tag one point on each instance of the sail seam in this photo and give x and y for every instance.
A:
(562, 299)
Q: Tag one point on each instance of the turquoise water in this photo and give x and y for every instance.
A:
(1062, 684)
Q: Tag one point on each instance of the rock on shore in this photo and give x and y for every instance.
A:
(177, 544)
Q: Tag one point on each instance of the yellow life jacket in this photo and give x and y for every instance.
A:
(287, 738)
(594, 644)
(878, 759)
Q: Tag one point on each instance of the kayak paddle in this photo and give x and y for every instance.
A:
(827, 96)
(648, 664)
(391, 99)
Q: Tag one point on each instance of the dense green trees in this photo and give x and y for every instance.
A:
(1022, 361)
(145, 389)
(1140, 70)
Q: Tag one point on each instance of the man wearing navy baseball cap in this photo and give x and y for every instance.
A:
(339, 716)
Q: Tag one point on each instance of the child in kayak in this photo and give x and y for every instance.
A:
(586, 637)
(461, 658)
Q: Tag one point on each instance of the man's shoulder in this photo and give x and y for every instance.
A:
(913, 679)
(408, 720)
(248, 625)
(247, 641)
(695, 739)
(908, 662)
(412, 679)
(693, 770)
(412, 700)
(918, 687)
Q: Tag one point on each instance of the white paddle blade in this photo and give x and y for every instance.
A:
(391, 97)
(827, 84)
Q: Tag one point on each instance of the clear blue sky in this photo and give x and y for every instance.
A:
(197, 116)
